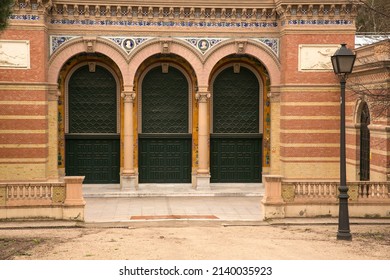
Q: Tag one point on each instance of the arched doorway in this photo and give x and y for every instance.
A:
(92, 144)
(364, 143)
(165, 142)
(236, 139)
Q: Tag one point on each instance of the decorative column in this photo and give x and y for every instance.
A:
(129, 179)
(52, 161)
(203, 172)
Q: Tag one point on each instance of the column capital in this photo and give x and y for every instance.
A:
(53, 93)
(128, 96)
(274, 97)
(203, 96)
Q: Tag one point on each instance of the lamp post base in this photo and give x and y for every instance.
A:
(344, 235)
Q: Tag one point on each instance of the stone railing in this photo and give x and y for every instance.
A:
(358, 191)
(33, 193)
(285, 198)
(58, 200)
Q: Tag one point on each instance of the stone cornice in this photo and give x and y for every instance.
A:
(214, 14)
(308, 11)
(151, 10)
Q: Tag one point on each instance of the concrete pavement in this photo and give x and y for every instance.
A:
(175, 205)
(227, 202)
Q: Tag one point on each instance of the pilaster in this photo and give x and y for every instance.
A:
(275, 131)
(52, 162)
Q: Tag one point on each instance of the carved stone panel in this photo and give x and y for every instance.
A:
(316, 57)
(15, 54)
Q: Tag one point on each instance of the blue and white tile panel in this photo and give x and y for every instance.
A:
(203, 44)
(128, 44)
(58, 40)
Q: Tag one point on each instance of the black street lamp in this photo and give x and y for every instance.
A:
(342, 61)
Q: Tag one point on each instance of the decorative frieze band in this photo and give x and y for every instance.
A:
(202, 45)
(175, 16)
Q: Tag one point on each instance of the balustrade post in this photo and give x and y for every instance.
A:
(74, 201)
(272, 203)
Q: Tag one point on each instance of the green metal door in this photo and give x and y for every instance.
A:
(236, 142)
(165, 160)
(165, 144)
(92, 146)
(96, 159)
(235, 159)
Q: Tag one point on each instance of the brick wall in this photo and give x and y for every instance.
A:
(24, 110)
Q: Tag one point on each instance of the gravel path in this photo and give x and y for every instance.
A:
(299, 242)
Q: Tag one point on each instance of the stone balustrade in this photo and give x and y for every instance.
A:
(58, 200)
(285, 198)
(34, 193)
(312, 190)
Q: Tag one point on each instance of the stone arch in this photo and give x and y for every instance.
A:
(248, 47)
(359, 106)
(82, 45)
(158, 46)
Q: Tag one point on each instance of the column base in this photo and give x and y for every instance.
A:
(203, 182)
(129, 182)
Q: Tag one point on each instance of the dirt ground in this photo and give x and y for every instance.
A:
(218, 242)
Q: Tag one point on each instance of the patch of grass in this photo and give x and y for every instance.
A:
(11, 247)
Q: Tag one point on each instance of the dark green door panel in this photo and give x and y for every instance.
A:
(165, 160)
(165, 144)
(92, 146)
(236, 144)
(96, 159)
(235, 160)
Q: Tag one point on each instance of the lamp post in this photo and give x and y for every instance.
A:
(342, 62)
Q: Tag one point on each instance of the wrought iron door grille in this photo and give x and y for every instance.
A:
(364, 144)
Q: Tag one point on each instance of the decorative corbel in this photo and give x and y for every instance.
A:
(241, 46)
(90, 44)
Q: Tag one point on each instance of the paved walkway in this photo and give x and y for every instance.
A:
(223, 202)
(175, 205)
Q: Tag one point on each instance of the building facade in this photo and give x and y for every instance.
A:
(204, 92)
